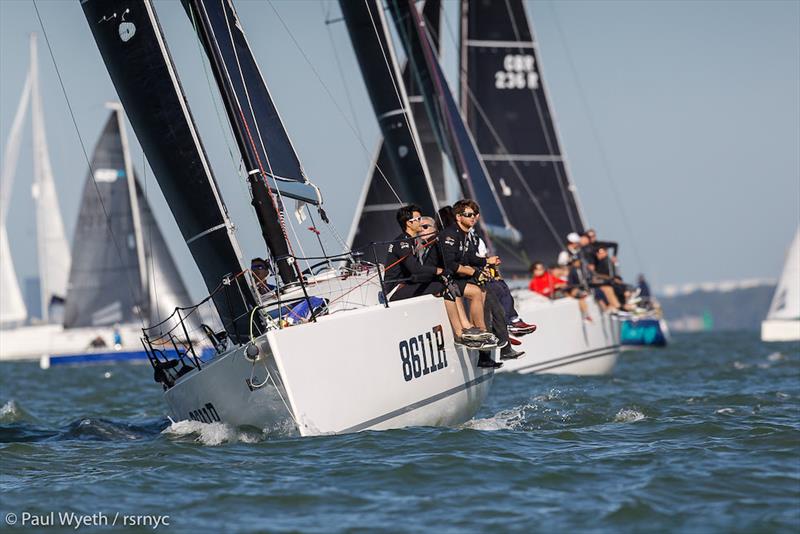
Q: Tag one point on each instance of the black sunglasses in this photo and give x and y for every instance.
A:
(468, 214)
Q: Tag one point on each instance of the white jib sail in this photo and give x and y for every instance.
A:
(53, 248)
(786, 301)
(12, 306)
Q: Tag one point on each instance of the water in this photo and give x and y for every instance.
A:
(701, 436)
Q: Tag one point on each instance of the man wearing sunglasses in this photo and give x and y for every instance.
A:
(406, 275)
(261, 271)
(461, 258)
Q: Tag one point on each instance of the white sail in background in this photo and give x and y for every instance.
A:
(786, 301)
(52, 246)
(12, 306)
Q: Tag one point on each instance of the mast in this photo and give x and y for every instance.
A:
(269, 156)
(136, 215)
(376, 58)
(452, 133)
(505, 103)
(129, 38)
(52, 245)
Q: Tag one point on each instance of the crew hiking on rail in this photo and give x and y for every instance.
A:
(453, 263)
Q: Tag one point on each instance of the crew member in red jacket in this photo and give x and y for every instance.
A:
(543, 282)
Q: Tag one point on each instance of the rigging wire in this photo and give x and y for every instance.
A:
(281, 215)
(88, 161)
(330, 95)
(224, 125)
(593, 128)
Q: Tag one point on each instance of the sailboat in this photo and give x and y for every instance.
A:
(506, 155)
(504, 100)
(783, 319)
(321, 353)
(122, 276)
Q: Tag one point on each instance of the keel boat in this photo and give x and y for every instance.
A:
(320, 352)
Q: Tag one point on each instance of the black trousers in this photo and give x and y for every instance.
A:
(407, 291)
(495, 317)
(501, 290)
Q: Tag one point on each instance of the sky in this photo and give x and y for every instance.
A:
(680, 121)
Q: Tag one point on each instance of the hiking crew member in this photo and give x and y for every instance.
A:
(406, 275)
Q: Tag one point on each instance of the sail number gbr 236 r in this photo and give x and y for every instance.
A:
(423, 354)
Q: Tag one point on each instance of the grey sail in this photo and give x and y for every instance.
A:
(104, 284)
(400, 169)
(504, 100)
(129, 38)
(104, 280)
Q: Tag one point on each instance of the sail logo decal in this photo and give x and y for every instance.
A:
(423, 354)
(126, 31)
(518, 73)
(107, 176)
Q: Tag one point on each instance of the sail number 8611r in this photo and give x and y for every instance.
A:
(423, 354)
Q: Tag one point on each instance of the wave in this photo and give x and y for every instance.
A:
(512, 419)
(627, 415)
(89, 428)
(12, 412)
(212, 434)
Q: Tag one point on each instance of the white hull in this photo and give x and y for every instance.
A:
(343, 373)
(33, 342)
(563, 342)
(780, 330)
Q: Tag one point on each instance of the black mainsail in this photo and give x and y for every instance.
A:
(506, 106)
(265, 146)
(406, 172)
(129, 38)
(104, 284)
(446, 119)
